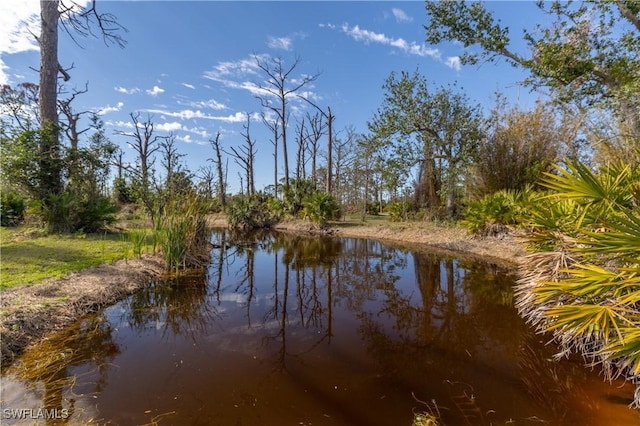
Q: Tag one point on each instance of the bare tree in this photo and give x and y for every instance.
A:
(170, 159)
(301, 142)
(76, 21)
(217, 161)
(245, 157)
(119, 162)
(343, 153)
(273, 126)
(72, 117)
(145, 144)
(315, 131)
(21, 105)
(280, 84)
(329, 117)
(206, 176)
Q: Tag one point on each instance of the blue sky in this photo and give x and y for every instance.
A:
(190, 64)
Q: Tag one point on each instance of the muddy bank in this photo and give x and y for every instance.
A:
(28, 313)
(506, 250)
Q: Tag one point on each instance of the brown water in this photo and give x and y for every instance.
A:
(301, 331)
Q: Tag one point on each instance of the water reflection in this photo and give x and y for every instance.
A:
(294, 330)
(176, 306)
(70, 366)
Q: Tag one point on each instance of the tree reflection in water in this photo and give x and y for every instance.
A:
(68, 366)
(347, 328)
(177, 305)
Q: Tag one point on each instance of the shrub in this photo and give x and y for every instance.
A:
(321, 207)
(495, 213)
(584, 286)
(295, 193)
(94, 214)
(12, 208)
(122, 192)
(185, 238)
(398, 210)
(247, 212)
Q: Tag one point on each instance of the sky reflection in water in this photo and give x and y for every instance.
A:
(292, 330)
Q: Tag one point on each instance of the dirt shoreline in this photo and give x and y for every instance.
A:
(30, 313)
(454, 240)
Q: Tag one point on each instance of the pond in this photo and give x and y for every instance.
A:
(286, 330)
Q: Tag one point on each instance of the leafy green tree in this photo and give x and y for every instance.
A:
(589, 54)
(436, 131)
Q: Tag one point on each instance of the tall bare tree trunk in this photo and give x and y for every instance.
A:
(49, 61)
(50, 165)
(218, 162)
(329, 150)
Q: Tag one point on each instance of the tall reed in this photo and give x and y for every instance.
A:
(185, 238)
(138, 238)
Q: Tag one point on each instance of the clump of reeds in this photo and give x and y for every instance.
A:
(185, 237)
(138, 238)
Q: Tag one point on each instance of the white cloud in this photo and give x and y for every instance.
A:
(211, 104)
(453, 62)
(185, 138)
(19, 22)
(188, 86)
(126, 91)
(367, 36)
(200, 131)
(155, 91)
(400, 15)
(169, 127)
(18, 18)
(242, 67)
(120, 123)
(238, 117)
(109, 108)
(284, 43)
(188, 114)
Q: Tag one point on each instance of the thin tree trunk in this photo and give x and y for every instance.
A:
(329, 150)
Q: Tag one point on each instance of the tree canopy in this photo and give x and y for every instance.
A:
(589, 53)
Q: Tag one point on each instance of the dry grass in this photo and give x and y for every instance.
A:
(28, 312)
(419, 235)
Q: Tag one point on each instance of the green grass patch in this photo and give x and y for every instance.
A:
(30, 257)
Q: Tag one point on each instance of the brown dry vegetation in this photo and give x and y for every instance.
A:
(29, 312)
(422, 235)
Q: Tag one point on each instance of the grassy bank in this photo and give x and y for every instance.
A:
(27, 256)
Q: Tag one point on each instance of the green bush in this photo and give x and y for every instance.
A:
(247, 212)
(94, 214)
(398, 210)
(321, 207)
(122, 192)
(495, 213)
(12, 208)
(295, 193)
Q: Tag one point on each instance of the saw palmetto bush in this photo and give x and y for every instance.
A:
(582, 282)
(495, 214)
